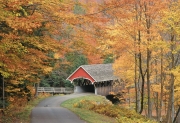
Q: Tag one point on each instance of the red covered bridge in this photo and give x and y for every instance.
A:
(97, 78)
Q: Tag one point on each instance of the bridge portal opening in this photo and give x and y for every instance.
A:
(83, 85)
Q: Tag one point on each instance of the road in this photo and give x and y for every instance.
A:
(49, 111)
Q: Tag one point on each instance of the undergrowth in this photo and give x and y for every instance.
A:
(122, 115)
(88, 116)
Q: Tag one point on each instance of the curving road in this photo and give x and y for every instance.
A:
(49, 111)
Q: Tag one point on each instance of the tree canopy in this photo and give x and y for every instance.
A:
(44, 41)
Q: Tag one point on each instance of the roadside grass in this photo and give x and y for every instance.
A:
(23, 114)
(88, 115)
(96, 109)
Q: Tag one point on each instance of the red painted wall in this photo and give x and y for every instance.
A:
(81, 73)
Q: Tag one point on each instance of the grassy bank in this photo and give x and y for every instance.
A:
(96, 109)
(87, 115)
(21, 114)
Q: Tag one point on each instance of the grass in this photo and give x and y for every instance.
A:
(96, 109)
(23, 115)
(87, 115)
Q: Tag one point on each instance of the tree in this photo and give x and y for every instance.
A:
(27, 38)
(170, 22)
(131, 34)
(67, 66)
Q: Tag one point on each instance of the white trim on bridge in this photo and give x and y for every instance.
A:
(55, 90)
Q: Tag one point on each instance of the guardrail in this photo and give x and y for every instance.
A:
(54, 90)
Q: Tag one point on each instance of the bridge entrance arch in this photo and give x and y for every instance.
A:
(83, 85)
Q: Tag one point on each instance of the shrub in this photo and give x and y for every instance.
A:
(134, 120)
(121, 114)
(85, 104)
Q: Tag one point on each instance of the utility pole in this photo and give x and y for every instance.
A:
(3, 93)
(3, 90)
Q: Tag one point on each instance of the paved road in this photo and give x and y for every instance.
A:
(49, 111)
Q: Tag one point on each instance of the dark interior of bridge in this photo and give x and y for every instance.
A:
(85, 88)
(83, 85)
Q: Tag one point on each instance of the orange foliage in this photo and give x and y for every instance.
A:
(28, 43)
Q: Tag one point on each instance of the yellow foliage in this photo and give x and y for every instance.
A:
(47, 69)
(156, 87)
(124, 68)
(57, 56)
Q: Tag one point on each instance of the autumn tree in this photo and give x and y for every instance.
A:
(130, 36)
(147, 31)
(170, 24)
(88, 31)
(29, 43)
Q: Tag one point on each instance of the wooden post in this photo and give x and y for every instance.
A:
(95, 89)
(36, 89)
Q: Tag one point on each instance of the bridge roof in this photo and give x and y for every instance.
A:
(95, 73)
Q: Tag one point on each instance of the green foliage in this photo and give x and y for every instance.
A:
(57, 78)
(6, 103)
(108, 59)
(78, 9)
(66, 33)
(75, 59)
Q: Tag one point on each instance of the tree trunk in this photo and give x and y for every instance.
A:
(148, 85)
(137, 84)
(141, 73)
(138, 9)
(135, 79)
(137, 42)
(170, 112)
(157, 107)
(142, 86)
(162, 84)
(176, 115)
(178, 118)
(148, 26)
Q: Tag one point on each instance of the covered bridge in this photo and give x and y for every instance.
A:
(97, 78)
